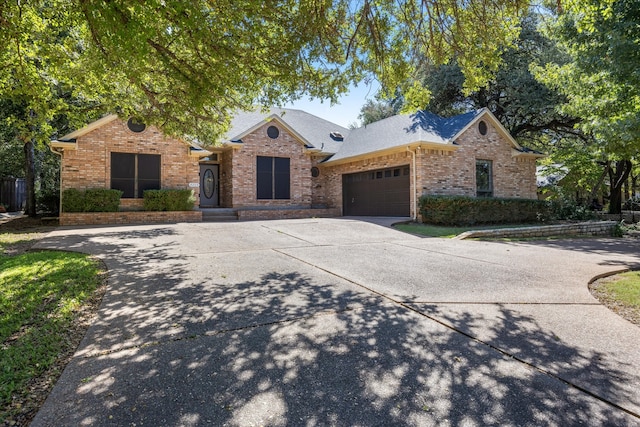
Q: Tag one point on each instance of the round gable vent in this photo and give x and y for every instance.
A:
(273, 132)
(482, 127)
(135, 126)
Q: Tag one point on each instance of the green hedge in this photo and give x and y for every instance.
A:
(168, 200)
(462, 210)
(91, 200)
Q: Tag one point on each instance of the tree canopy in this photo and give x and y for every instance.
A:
(601, 81)
(188, 65)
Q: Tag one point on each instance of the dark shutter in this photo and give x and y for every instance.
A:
(148, 172)
(123, 173)
(264, 177)
(281, 178)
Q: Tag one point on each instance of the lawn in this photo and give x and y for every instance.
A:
(621, 293)
(626, 289)
(42, 297)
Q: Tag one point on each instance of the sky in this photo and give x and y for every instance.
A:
(346, 111)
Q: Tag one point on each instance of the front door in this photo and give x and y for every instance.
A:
(209, 186)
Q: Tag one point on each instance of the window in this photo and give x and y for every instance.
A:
(273, 178)
(134, 173)
(135, 126)
(482, 127)
(484, 178)
(273, 132)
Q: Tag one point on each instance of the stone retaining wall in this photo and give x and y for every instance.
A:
(592, 228)
(104, 218)
(629, 217)
(263, 214)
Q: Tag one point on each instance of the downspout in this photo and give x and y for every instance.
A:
(59, 153)
(415, 180)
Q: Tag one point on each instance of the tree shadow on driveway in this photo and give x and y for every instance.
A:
(377, 364)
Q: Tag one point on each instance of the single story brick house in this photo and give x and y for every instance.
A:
(287, 163)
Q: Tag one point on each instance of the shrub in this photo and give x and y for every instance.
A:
(566, 208)
(463, 210)
(632, 204)
(102, 200)
(72, 200)
(168, 200)
(91, 200)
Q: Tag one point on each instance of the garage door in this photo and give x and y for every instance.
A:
(383, 192)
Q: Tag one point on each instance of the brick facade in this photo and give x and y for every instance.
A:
(512, 176)
(450, 170)
(89, 166)
(446, 170)
(102, 218)
(242, 178)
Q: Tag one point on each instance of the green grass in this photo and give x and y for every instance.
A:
(446, 232)
(626, 289)
(40, 295)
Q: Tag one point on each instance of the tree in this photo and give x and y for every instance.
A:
(525, 106)
(35, 37)
(373, 111)
(187, 66)
(601, 82)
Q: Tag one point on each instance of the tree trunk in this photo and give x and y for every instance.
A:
(30, 172)
(593, 196)
(617, 177)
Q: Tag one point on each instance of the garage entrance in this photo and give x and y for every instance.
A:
(382, 192)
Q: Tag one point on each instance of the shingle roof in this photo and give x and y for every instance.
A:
(400, 130)
(315, 131)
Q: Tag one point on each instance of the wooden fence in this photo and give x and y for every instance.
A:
(13, 193)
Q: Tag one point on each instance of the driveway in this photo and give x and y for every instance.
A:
(343, 322)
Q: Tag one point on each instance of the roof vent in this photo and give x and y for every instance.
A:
(336, 136)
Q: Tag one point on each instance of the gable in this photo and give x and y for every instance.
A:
(312, 131)
(117, 130)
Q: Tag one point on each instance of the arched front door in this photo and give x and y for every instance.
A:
(209, 186)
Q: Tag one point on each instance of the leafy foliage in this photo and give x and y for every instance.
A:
(188, 66)
(463, 210)
(91, 200)
(563, 207)
(525, 106)
(601, 82)
(168, 200)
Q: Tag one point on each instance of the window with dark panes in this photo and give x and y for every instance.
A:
(148, 172)
(135, 173)
(273, 177)
(484, 178)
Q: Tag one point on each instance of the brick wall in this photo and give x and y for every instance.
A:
(101, 218)
(449, 171)
(512, 176)
(226, 178)
(264, 214)
(243, 174)
(90, 165)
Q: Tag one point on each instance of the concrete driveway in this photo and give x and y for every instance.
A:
(343, 322)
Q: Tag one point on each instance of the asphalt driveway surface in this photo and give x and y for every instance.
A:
(343, 322)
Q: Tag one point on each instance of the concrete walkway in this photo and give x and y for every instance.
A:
(345, 322)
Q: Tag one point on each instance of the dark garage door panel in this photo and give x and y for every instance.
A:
(383, 192)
